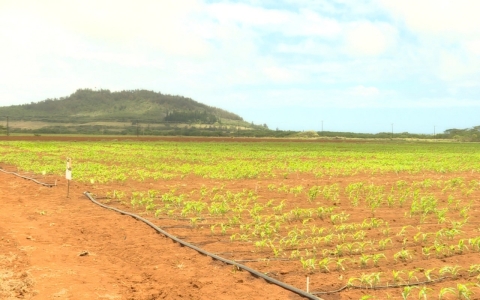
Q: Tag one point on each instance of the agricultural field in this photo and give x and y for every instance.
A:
(391, 220)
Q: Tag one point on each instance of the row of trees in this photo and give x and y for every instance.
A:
(464, 135)
(166, 130)
(461, 135)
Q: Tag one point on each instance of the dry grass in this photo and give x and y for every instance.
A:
(28, 124)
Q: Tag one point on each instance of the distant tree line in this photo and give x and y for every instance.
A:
(463, 135)
(379, 135)
(179, 129)
(164, 130)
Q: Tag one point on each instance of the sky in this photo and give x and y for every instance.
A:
(336, 65)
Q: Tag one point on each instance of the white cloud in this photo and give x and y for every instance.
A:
(247, 14)
(145, 34)
(303, 23)
(447, 36)
(442, 18)
(455, 65)
(472, 46)
(369, 39)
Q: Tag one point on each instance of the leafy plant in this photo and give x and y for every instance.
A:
(452, 270)
(376, 258)
(424, 291)
(463, 292)
(406, 291)
(364, 259)
(446, 290)
(402, 255)
(396, 276)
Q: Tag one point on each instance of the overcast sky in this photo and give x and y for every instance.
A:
(356, 65)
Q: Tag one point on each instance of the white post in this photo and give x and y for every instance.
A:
(68, 175)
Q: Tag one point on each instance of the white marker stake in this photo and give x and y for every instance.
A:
(68, 175)
(308, 284)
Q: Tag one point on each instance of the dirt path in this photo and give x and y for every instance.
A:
(57, 248)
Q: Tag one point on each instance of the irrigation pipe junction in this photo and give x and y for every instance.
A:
(256, 273)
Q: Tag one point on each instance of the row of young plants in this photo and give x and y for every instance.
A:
(455, 271)
(296, 234)
(244, 208)
(104, 162)
(461, 291)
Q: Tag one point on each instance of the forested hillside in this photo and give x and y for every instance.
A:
(86, 105)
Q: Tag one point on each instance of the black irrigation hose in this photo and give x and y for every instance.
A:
(379, 287)
(230, 262)
(262, 260)
(27, 178)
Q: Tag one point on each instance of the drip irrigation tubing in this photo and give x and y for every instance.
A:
(204, 252)
(262, 260)
(27, 178)
(379, 287)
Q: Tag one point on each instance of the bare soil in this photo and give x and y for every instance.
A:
(54, 247)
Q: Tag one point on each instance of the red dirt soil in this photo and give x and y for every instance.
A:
(54, 247)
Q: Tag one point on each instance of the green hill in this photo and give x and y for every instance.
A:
(137, 112)
(144, 106)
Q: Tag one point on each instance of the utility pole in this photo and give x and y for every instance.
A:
(8, 129)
